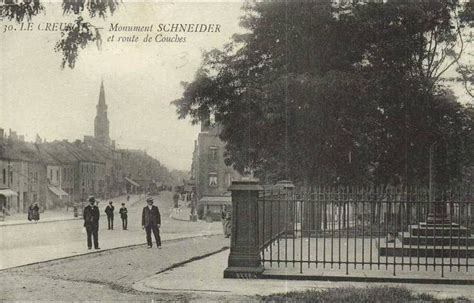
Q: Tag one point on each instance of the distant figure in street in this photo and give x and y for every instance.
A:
(30, 212)
(123, 215)
(176, 202)
(33, 212)
(151, 221)
(91, 223)
(128, 198)
(109, 210)
(223, 215)
(228, 224)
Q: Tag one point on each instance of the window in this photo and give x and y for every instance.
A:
(212, 179)
(51, 174)
(4, 176)
(213, 153)
(57, 175)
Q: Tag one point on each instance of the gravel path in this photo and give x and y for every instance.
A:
(108, 275)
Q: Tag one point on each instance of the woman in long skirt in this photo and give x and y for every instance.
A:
(35, 216)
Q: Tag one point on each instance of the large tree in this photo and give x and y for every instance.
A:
(346, 94)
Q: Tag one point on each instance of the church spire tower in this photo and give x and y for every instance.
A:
(101, 123)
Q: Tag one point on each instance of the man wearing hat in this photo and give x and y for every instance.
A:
(109, 210)
(91, 216)
(151, 221)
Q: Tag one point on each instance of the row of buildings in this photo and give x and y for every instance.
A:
(61, 173)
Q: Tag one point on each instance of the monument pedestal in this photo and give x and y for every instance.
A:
(435, 238)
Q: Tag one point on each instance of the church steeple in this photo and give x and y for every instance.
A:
(101, 123)
(102, 95)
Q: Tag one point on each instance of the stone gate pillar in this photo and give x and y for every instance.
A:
(244, 257)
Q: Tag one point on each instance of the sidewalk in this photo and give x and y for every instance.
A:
(205, 276)
(47, 216)
(63, 215)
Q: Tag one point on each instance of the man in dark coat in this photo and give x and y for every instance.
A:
(91, 216)
(109, 210)
(124, 216)
(151, 221)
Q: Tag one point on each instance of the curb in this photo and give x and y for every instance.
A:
(142, 286)
(40, 222)
(107, 250)
(196, 258)
(367, 279)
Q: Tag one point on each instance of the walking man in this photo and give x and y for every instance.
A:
(109, 210)
(151, 221)
(124, 216)
(91, 216)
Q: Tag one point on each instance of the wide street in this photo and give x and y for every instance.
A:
(30, 243)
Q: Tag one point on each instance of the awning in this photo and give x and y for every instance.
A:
(132, 182)
(216, 200)
(58, 191)
(7, 192)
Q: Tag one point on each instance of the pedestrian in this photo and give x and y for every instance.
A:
(123, 215)
(91, 223)
(228, 224)
(30, 212)
(35, 216)
(109, 210)
(151, 221)
(223, 216)
(176, 202)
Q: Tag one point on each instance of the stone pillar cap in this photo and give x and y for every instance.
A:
(251, 184)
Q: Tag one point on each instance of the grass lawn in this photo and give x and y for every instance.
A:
(371, 295)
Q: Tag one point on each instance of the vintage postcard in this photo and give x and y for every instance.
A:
(267, 151)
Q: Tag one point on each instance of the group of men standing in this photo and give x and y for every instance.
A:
(151, 221)
(109, 210)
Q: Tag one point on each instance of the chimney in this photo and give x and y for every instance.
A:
(206, 122)
(2, 134)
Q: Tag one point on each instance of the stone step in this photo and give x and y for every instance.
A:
(445, 230)
(408, 239)
(395, 249)
(438, 224)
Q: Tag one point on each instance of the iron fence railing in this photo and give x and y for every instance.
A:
(366, 228)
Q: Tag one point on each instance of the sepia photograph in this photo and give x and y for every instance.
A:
(237, 151)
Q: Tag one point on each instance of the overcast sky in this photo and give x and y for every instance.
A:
(37, 97)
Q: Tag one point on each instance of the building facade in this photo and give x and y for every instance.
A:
(212, 176)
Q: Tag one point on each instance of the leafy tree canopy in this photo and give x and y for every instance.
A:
(346, 94)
